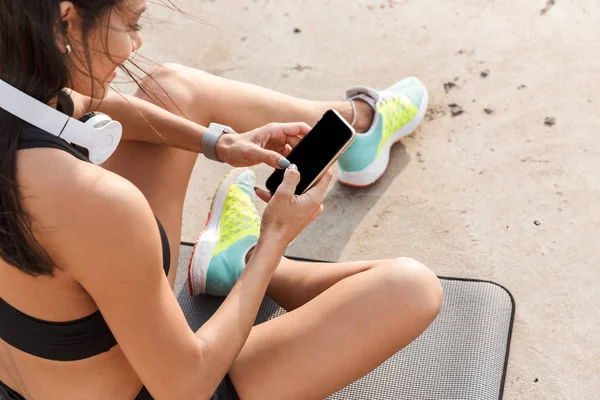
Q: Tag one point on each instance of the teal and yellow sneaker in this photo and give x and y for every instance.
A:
(231, 231)
(398, 112)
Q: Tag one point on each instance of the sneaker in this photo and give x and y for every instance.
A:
(398, 112)
(231, 231)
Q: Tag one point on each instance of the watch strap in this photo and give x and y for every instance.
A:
(211, 137)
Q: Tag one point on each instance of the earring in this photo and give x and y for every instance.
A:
(69, 49)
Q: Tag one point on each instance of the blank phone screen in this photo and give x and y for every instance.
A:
(315, 151)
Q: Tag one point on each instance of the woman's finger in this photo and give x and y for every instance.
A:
(294, 128)
(263, 194)
(320, 189)
(293, 140)
(272, 158)
(291, 178)
(318, 212)
(287, 150)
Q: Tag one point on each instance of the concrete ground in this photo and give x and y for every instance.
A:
(497, 195)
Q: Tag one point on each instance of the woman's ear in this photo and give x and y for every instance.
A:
(68, 16)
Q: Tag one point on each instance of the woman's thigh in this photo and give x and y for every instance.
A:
(162, 173)
(340, 335)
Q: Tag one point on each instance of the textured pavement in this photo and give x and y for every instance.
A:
(506, 194)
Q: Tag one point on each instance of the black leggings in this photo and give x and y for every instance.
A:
(7, 393)
(225, 391)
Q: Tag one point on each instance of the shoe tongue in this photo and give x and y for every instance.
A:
(246, 182)
(365, 94)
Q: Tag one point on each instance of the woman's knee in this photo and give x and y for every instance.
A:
(411, 286)
(170, 87)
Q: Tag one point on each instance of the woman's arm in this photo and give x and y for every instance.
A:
(146, 122)
(284, 218)
(227, 330)
(111, 246)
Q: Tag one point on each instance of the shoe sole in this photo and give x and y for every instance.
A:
(373, 172)
(207, 241)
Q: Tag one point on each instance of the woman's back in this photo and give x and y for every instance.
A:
(62, 194)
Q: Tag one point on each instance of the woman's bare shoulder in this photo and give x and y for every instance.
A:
(72, 203)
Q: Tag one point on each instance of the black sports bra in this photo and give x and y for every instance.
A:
(60, 341)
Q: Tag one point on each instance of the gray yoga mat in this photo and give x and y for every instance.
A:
(462, 356)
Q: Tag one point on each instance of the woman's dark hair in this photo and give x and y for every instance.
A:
(31, 61)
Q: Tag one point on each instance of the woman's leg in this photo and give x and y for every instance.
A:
(296, 283)
(342, 333)
(245, 107)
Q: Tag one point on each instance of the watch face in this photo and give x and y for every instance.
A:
(220, 129)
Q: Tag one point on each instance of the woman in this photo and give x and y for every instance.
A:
(89, 254)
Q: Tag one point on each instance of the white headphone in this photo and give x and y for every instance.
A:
(99, 134)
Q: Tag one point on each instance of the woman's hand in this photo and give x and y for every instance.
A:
(287, 215)
(269, 144)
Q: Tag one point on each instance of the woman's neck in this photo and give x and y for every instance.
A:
(81, 104)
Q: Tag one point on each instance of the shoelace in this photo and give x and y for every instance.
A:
(397, 110)
(386, 97)
(238, 217)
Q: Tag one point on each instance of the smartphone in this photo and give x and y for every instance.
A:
(317, 151)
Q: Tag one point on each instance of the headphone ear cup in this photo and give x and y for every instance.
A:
(82, 150)
(106, 137)
(103, 120)
(95, 124)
